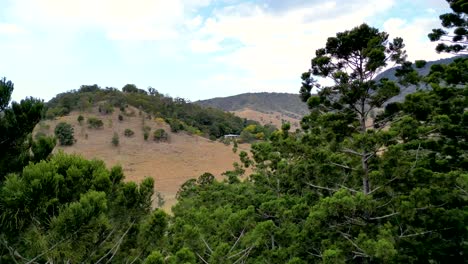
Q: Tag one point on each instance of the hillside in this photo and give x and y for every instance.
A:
(266, 108)
(170, 163)
(177, 112)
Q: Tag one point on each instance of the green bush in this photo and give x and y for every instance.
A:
(175, 125)
(64, 132)
(146, 130)
(115, 139)
(106, 108)
(94, 122)
(160, 135)
(128, 132)
(39, 135)
(80, 119)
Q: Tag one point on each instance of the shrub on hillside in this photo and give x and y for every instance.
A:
(94, 122)
(65, 134)
(106, 108)
(146, 131)
(80, 119)
(128, 132)
(115, 139)
(175, 125)
(160, 135)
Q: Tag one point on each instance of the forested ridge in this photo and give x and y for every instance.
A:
(177, 112)
(347, 188)
(288, 104)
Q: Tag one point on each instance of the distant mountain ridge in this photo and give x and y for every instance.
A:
(390, 74)
(284, 103)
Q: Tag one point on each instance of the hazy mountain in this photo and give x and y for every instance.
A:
(390, 74)
(284, 103)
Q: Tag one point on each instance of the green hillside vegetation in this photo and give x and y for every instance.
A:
(287, 104)
(177, 112)
(338, 191)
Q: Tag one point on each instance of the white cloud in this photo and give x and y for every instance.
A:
(149, 19)
(205, 46)
(11, 29)
(276, 49)
(414, 34)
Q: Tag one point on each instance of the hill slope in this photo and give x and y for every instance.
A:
(287, 104)
(170, 163)
(266, 108)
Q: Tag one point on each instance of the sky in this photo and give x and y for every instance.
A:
(194, 49)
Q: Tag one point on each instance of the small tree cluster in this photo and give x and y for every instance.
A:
(65, 134)
(94, 122)
(115, 139)
(160, 135)
(128, 132)
(146, 131)
(80, 119)
(106, 108)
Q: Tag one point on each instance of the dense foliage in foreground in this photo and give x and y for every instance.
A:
(343, 190)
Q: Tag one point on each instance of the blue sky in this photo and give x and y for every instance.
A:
(195, 49)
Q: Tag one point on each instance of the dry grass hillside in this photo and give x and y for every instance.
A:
(268, 118)
(170, 163)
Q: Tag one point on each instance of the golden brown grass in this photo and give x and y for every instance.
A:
(170, 163)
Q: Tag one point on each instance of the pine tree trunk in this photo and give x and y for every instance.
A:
(364, 155)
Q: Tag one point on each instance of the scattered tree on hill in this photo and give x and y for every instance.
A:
(115, 139)
(65, 134)
(160, 135)
(80, 119)
(94, 122)
(130, 88)
(128, 132)
(456, 29)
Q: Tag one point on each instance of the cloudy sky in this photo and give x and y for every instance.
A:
(195, 49)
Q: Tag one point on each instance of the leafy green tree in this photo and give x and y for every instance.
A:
(352, 60)
(160, 135)
(115, 139)
(94, 122)
(69, 209)
(80, 119)
(128, 132)
(65, 134)
(16, 123)
(130, 88)
(456, 29)
(42, 147)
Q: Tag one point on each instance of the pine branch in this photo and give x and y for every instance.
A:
(384, 216)
(320, 187)
(238, 238)
(202, 259)
(117, 244)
